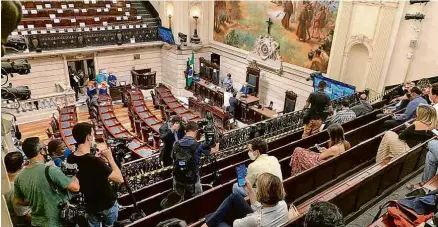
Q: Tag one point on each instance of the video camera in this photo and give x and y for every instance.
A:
(120, 149)
(21, 67)
(208, 129)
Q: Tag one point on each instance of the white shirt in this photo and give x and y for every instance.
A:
(436, 107)
(227, 96)
(263, 164)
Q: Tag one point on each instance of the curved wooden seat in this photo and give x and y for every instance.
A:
(151, 124)
(166, 97)
(337, 170)
(242, 157)
(362, 190)
(117, 130)
(67, 119)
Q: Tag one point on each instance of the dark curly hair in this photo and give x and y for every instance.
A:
(259, 144)
(324, 214)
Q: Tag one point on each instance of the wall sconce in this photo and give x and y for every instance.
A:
(169, 14)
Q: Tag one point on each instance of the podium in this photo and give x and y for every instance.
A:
(144, 78)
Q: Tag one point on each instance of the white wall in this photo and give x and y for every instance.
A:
(424, 62)
(121, 62)
(45, 73)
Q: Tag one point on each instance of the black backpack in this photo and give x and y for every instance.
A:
(184, 167)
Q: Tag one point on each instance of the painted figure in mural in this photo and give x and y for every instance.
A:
(317, 63)
(288, 9)
(319, 23)
(309, 9)
(302, 25)
(308, 63)
(324, 58)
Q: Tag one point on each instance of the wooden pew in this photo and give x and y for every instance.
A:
(166, 97)
(113, 126)
(145, 122)
(228, 174)
(362, 190)
(277, 149)
(67, 119)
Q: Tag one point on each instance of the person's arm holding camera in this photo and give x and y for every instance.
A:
(116, 174)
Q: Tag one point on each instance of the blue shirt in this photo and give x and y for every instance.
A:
(245, 90)
(411, 109)
(202, 149)
(228, 82)
(112, 80)
(100, 78)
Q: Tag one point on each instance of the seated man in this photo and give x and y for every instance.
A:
(112, 80)
(363, 107)
(324, 214)
(245, 89)
(344, 115)
(227, 82)
(102, 76)
(262, 163)
(409, 113)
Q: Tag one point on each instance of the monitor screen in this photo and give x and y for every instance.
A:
(252, 80)
(166, 35)
(334, 89)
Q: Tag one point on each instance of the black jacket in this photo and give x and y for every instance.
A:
(168, 139)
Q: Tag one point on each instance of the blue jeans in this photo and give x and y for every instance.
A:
(239, 190)
(106, 217)
(232, 208)
(431, 164)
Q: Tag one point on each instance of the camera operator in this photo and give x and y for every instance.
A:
(171, 131)
(100, 200)
(32, 187)
(59, 153)
(186, 154)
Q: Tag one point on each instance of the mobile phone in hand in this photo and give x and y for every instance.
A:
(241, 174)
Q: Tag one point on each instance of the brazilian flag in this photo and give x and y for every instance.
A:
(191, 70)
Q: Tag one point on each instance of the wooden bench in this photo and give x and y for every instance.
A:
(166, 97)
(242, 157)
(362, 190)
(107, 117)
(144, 121)
(333, 169)
(67, 119)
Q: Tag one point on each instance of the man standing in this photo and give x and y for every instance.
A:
(301, 32)
(318, 102)
(32, 187)
(228, 82)
(262, 163)
(100, 200)
(410, 111)
(20, 215)
(170, 132)
(344, 115)
(233, 104)
(227, 96)
(186, 154)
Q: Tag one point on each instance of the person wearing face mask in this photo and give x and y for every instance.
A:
(262, 163)
(58, 153)
(32, 187)
(100, 200)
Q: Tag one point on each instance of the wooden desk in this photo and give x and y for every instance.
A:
(257, 114)
(202, 90)
(220, 117)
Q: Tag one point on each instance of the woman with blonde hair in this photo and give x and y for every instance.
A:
(394, 145)
(268, 208)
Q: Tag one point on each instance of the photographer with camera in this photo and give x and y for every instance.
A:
(173, 130)
(58, 153)
(42, 187)
(100, 200)
(186, 154)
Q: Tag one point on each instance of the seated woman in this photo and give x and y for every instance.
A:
(303, 159)
(393, 145)
(268, 208)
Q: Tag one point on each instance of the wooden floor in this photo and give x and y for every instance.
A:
(38, 128)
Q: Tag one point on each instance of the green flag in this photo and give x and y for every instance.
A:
(191, 70)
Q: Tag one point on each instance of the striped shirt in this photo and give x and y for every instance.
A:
(343, 116)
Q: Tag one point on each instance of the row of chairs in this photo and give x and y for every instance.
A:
(29, 14)
(73, 4)
(79, 21)
(166, 97)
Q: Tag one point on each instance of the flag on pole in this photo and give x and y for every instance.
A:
(191, 70)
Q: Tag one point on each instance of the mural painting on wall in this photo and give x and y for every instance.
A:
(304, 29)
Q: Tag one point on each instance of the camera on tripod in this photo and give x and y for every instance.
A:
(207, 128)
(120, 149)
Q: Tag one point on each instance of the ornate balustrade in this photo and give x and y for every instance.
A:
(38, 108)
(68, 40)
